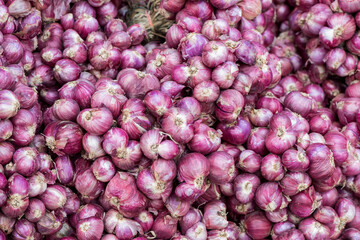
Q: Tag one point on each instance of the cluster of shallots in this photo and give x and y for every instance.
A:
(244, 123)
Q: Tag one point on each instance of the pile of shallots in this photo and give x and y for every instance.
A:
(243, 123)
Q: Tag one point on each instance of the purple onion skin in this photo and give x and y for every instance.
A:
(252, 105)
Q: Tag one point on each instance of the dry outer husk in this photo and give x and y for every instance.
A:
(148, 14)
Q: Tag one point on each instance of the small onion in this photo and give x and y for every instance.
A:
(54, 197)
(164, 226)
(295, 182)
(272, 168)
(191, 105)
(87, 185)
(249, 161)
(66, 70)
(48, 224)
(90, 228)
(205, 140)
(346, 210)
(206, 92)
(24, 229)
(136, 83)
(229, 105)
(15, 205)
(176, 207)
(321, 161)
(178, 123)
(330, 197)
(92, 145)
(214, 54)
(222, 167)
(256, 140)
(313, 229)
(96, 121)
(237, 132)
(65, 169)
(192, 45)
(191, 174)
(103, 55)
(197, 231)
(257, 226)
(305, 203)
(7, 79)
(76, 52)
(63, 137)
(214, 29)
(103, 169)
(268, 196)
(37, 184)
(66, 109)
(24, 127)
(192, 217)
(326, 215)
(26, 161)
(35, 211)
(145, 219)
(292, 102)
(133, 118)
(215, 215)
(6, 129)
(9, 104)
(174, 35)
(245, 186)
(295, 160)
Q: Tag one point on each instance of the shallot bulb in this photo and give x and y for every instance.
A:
(345, 209)
(26, 161)
(229, 105)
(178, 123)
(326, 215)
(245, 186)
(215, 215)
(305, 203)
(9, 104)
(206, 140)
(313, 229)
(136, 83)
(280, 140)
(164, 225)
(66, 109)
(295, 160)
(176, 207)
(269, 196)
(103, 169)
(257, 226)
(222, 167)
(54, 197)
(272, 168)
(92, 145)
(110, 95)
(133, 118)
(249, 161)
(63, 137)
(157, 102)
(321, 161)
(192, 45)
(104, 55)
(293, 99)
(237, 132)
(96, 121)
(295, 182)
(80, 90)
(193, 170)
